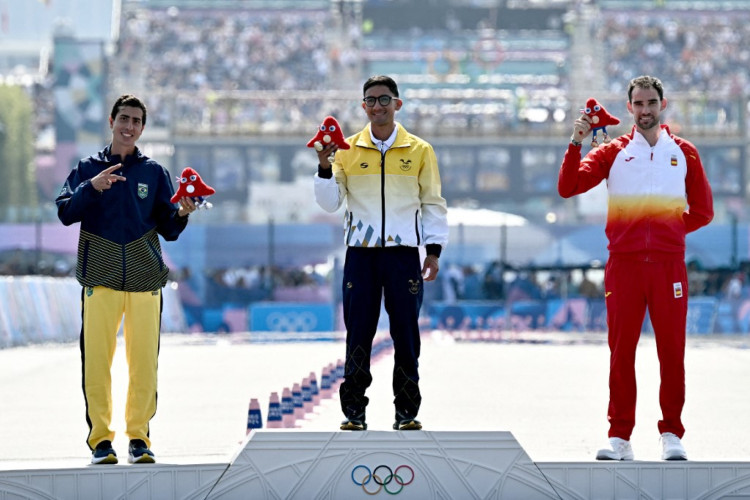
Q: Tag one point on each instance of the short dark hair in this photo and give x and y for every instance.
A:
(131, 101)
(381, 80)
(645, 82)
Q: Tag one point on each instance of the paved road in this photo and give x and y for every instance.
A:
(549, 390)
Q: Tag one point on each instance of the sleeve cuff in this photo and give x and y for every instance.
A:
(434, 249)
(91, 184)
(325, 173)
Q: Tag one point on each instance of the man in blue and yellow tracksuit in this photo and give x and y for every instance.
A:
(122, 200)
(390, 181)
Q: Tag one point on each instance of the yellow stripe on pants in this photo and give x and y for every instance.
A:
(103, 310)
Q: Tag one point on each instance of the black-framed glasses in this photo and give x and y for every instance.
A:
(384, 100)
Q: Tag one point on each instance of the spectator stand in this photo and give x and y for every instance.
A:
(204, 58)
(473, 82)
(698, 47)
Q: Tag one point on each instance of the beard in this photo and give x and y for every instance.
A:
(647, 123)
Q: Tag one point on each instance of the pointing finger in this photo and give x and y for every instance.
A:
(111, 169)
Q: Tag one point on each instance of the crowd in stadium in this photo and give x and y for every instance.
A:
(691, 51)
(215, 50)
(207, 52)
(197, 52)
(196, 55)
(471, 81)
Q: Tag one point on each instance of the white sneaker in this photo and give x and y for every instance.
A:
(621, 450)
(671, 447)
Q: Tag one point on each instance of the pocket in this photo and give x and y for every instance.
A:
(156, 255)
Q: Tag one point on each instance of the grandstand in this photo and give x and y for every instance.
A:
(703, 52)
(485, 81)
(238, 77)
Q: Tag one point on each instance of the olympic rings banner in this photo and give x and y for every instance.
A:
(291, 317)
(382, 477)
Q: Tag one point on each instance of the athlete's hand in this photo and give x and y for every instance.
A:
(325, 154)
(430, 268)
(104, 179)
(581, 128)
(187, 206)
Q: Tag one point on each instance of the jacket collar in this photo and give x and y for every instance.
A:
(402, 138)
(107, 156)
(638, 138)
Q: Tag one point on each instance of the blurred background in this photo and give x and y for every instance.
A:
(235, 89)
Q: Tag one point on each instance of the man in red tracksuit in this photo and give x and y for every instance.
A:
(658, 192)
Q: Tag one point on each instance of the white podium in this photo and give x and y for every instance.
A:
(292, 464)
(409, 464)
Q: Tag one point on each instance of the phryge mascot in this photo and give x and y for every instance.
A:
(600, 119)
(329, 131)
(191, 185)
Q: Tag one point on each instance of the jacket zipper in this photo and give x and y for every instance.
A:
(416, 227)
(382, 197)
(350, 229)
(648, 220)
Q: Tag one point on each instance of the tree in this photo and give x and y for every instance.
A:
(18, 192)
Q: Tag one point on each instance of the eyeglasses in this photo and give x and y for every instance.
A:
(384, 100)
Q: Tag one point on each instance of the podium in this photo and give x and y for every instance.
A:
(441, 465)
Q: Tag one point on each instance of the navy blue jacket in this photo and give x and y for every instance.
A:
(119, 243)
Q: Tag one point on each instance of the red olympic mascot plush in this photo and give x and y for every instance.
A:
(191, 185)
(329, 131)
(600, 119)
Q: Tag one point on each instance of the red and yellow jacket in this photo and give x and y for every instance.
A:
(656, 194)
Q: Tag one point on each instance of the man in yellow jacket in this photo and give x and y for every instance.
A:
(390, 182)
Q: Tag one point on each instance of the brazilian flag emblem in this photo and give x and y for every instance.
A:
(142, 191)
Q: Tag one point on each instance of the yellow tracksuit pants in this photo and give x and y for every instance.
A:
(103, 311)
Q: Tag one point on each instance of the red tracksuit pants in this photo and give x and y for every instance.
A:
(630, 287)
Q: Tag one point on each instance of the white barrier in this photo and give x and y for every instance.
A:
(36, 309)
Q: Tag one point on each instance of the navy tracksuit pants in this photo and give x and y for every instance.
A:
(371, 274)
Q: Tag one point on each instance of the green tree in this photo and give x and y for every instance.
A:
(18, 191)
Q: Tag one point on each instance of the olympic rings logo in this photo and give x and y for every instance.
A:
(303, 321)
(382, 482)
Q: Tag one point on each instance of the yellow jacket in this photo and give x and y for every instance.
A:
(392, 197)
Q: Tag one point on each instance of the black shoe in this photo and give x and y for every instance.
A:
(407, 424)
(138, 452)
(356, 423)
(104, 453)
